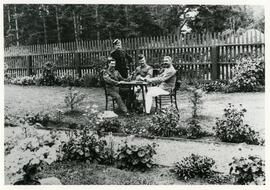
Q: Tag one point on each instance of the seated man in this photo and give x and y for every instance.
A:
(143, 71)
(112, 78)
(166, 81)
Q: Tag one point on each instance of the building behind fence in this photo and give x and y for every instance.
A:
(206, 56)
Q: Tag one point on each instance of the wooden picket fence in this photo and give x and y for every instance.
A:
(206, 56)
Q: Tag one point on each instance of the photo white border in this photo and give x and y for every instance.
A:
(264, 3)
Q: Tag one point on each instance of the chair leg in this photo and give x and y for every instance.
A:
(156, 100)
(106, 106)
(113, 104)
(160, 102)
(175, 101)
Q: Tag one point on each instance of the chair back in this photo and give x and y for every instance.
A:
(102, 81)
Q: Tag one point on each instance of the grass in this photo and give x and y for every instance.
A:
(33, 99)
(20, 100)
(82, 173)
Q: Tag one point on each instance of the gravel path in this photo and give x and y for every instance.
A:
(170, 151)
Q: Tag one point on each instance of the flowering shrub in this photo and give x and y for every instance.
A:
(48, 74)
(194, 130)
(109, 125)
(68, 80)
(25, 80)
(219, 179)
(194, 166)
(249, 75)
(232, 129)
(195, 97)
(214, 86)
(165, 123)
(85, 145)
(249, 170)
(43, 119)
(73, 98)
(30, 150)
(136, 126)
(138, 157)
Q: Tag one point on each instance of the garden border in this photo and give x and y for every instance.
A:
(162, 138)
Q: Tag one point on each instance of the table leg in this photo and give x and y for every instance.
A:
(143, 96)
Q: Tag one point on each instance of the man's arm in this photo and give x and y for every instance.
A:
(163, 77)
(108, 79)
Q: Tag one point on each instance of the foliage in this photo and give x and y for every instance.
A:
(139, 157)
(84, 145)
(165, 123)
(90, 80)
(231, 127)
(73, 98)
(136, 126)
(43, 119)
(249, 75)
(109, 125)
(219, 179)
(249, 170)
(48, 75)
(214, 86)
(195, 97)
(68, 80)
(25, 80)
(30, 149)
(194, 166)
(194, 130)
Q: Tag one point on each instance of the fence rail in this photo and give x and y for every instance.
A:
(209, 56)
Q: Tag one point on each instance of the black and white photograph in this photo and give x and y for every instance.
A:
(134, 94)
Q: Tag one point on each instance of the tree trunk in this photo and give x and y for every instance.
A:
(16, 26)
(57, 25)
(75, 27)
(97, 23)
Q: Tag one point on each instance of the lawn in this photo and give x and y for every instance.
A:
(20, 100)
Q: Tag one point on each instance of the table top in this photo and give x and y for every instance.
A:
(133, 83)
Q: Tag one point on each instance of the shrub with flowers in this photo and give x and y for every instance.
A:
(194, 166)
(249, 170)
(139, 157)
(165, 123)
(231, 127)
(249, 75)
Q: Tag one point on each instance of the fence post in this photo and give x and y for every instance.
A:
(29, 65)
(78, 64)
(214, 61)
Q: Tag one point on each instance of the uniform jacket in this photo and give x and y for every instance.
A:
(123, 59)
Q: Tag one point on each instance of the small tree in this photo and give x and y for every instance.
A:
(73, 98)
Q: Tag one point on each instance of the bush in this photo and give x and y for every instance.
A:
(194, 130)
(136, 126)
(73, 98)
(27, 150)
(109, 125)
(214, 86)
(84, 146)
(194, 166)
(48, 75)
(25, 80)
(232, 129)
(139, 157)
(165, 123)
(249, 75)
(43, 119)
(219, 179)
(249, 170)
(90, 80)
